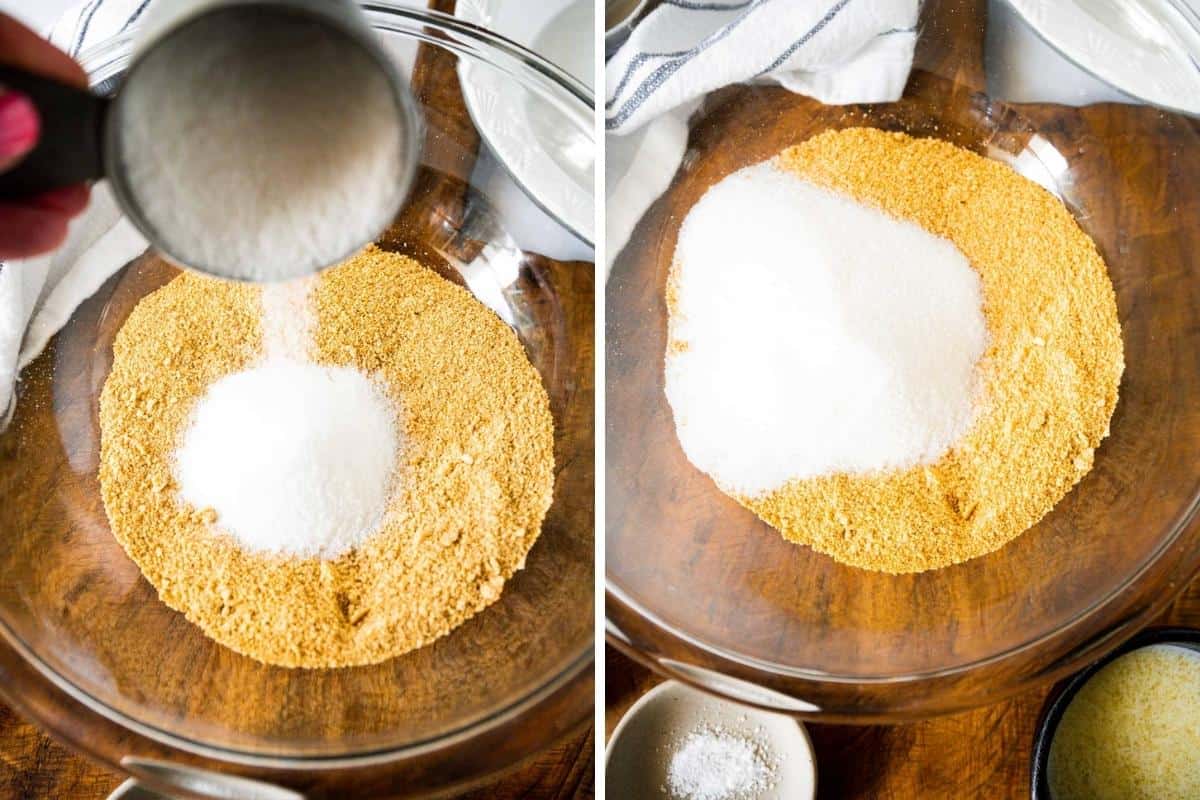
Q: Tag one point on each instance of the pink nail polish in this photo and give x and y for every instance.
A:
(19, 125)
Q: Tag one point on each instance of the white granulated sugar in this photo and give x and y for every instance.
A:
(716, 764)
(817, 335)
(287, 319)
(261, 149)
(295, 458)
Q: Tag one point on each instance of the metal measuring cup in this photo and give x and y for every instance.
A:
(81, 137)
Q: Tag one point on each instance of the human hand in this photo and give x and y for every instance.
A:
(37, 225)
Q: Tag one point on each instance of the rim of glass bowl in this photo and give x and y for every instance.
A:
(106, 59)
(1067, 657)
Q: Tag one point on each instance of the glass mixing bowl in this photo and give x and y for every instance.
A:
(90, 652)
(703, 591)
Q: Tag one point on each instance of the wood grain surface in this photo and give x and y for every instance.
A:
(33, 766)
(982, 753)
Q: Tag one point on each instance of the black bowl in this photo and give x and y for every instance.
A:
(1064, 692)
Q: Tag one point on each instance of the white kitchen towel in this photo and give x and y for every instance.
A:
(93, 21)
(837, 51)
(38, 295)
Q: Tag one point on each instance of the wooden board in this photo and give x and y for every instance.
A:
(35, 767)
(982, 753)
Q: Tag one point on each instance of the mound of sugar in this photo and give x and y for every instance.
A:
(813, 335)
(295, 458)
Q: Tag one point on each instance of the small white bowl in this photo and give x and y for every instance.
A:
(639, 752)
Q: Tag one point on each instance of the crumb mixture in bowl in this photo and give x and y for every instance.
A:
(467, 496)
(1132, 730)
(1045, 386)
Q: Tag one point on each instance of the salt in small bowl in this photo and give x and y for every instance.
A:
(640, 749)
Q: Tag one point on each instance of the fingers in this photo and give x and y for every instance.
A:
(29, 230)
(37, 225)
(19, 127)
(69, 200)
(40, 224)
(23, 48)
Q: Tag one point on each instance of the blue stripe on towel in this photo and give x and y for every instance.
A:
(669, 68)
(693, 5)
(81, 34)
(803, 40)
(136, 14)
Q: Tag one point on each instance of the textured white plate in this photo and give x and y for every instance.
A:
(1149, 49)
(639, 752)
(553, 164)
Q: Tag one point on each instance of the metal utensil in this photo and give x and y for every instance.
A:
(81, 133)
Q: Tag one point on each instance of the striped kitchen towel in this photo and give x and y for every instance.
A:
(94, 21)
(39, 295)
(837, 51)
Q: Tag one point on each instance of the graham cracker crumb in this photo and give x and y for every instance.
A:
(1049, 376)
(456, 528)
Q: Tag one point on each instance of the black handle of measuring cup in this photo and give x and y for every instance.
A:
(70, 147)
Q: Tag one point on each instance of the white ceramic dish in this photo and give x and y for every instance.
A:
(516, 124)
(1148, 49)
(639, 752)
